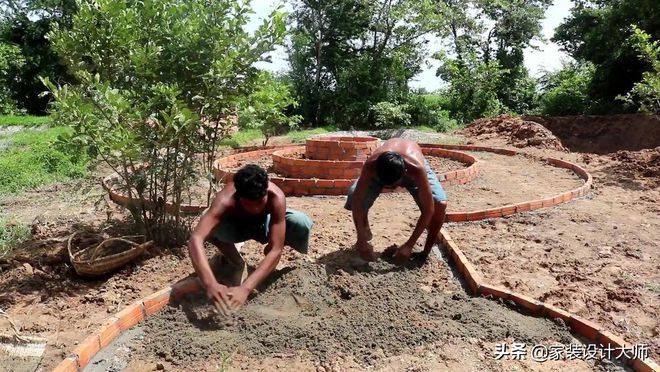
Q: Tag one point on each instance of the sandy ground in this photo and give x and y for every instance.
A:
(597, 256)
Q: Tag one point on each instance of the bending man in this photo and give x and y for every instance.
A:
(398, 162)
(249, 208)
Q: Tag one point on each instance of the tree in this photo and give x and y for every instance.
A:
(487, 38)
(11, 60)
(348, 55)
(24, 24)
(566, 91)
(598, 32)
(159, 80)
(646, 93)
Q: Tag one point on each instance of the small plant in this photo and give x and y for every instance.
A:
(12, 234)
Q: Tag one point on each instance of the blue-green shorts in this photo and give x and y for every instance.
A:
(298, 229)
(376, 187)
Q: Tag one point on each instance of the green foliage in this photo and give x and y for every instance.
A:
(598, 31)
(11, 61)
(242, 138)
(646, 93)
(23, 121)
(566, 91)
(348, 55)
(265, 108)
(25, 25)
(12, 234)
(487, 40)
(390, 115)
(159, 84)
(431, 110)
(32, 158)
(474, 87)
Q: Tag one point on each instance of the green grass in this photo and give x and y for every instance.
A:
(30, 158)
(25, 121)
(241, 138)
(12, 234)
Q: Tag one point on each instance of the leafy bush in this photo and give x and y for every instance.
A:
(159, 84)
(646, 93)
(429, 110)
(390, 115)
(11, 60)
(265, 109)
(566, 92)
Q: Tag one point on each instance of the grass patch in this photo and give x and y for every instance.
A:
(301, 135)
(11, 235)
(243, 137)
(31, 158)
(24, 121)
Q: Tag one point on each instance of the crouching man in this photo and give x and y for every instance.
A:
(249, 208)
(398, 163)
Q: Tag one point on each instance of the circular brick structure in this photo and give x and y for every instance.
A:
(289, 163)
(340, 148)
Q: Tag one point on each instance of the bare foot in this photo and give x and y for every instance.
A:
(366, 251)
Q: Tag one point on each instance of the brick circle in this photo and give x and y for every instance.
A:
(340, 148)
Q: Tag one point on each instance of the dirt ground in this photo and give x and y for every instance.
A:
(598, 256)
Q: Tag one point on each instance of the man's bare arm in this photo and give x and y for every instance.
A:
(359, 196)
(206, 224)
(427, 205)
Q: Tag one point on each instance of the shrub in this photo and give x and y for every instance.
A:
(390, 115)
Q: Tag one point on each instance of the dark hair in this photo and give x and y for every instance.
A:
(390, 167)
(251, 182)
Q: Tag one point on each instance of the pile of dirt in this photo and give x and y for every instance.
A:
(640, 164)
(364, 311)
(518, 132)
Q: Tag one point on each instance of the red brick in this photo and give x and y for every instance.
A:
(606, 338)
(157, 301)
(557, 199)
(86, 350)
(575, 193)
(548, 202)
(566, 197)
(108, 331)
(456, 217)
(523, 207)
(130, 316)
(554, 312)
(535, 204)
(532, 305)
(186, 286)
(307, 183)
(343, 184)
(325, 183)
(67, 365)
(472, 277)
(508, 210)
(497, 292)
(476, 216)
(584, 327)
(494, 213)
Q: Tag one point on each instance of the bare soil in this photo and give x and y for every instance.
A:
(597, 256)
(517, 132)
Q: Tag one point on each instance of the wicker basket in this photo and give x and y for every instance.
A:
(93, 259)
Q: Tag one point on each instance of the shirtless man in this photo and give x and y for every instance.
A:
(398, 162)
(249, 208)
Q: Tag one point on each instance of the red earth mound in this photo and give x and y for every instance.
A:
(518, 132)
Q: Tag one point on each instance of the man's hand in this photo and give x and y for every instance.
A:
(366, 250)
(219, 296)
(403, 253)
(238, 296)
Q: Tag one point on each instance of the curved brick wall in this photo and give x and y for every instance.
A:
(296, 185)
(340, 148)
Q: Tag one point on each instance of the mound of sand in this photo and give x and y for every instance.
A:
(518, 132)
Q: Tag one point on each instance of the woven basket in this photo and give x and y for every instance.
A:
(93, 260)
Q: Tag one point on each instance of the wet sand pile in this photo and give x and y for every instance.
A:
(363, 311)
